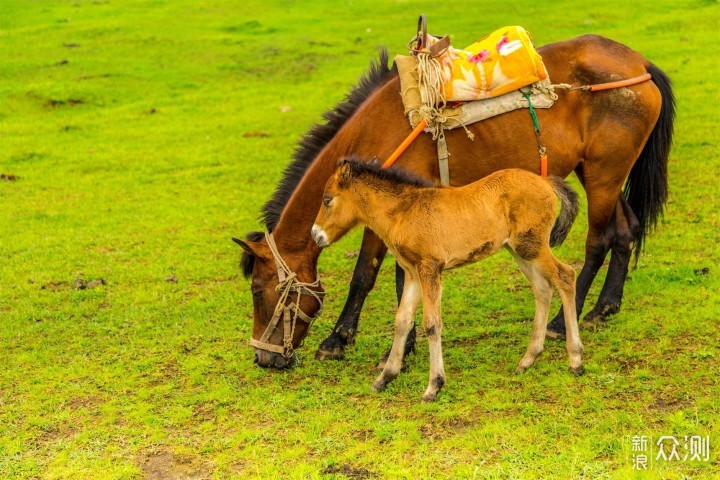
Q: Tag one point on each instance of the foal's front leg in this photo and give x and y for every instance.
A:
(404, 322)
(431, 282)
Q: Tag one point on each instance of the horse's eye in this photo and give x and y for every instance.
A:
(326, 200)
(257, 294)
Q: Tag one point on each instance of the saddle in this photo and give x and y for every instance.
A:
(444, 88)
(442, 84)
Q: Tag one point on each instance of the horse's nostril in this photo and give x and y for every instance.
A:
(257, 359)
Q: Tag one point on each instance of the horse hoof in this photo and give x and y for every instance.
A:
(588, 325)
(337, 353)
(553, 335)
(519, 370)
(578, 371)
(600, 313)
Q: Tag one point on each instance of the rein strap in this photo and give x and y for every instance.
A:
(288, 283)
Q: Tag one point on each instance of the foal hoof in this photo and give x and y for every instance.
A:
(336, 353)
(379, 385)
(429, 397)
(520, 370)
(577, 371)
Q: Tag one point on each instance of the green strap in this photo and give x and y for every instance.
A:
(527, 96)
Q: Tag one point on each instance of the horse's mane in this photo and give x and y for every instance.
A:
(312, 143)
(319, 136)
(394, 175)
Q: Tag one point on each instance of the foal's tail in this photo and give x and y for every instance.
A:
(568, 210)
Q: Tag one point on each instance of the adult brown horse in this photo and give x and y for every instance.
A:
(605, 137)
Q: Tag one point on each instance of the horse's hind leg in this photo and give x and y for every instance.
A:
(404, 322)
(371, 256)
(623, 231)
(543, 295)
(601, 208)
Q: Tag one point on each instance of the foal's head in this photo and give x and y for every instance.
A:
(347, 192)
(338, 213)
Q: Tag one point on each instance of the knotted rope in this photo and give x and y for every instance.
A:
(432, 92)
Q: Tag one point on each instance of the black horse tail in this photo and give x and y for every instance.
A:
(646, 189)
(568, 210)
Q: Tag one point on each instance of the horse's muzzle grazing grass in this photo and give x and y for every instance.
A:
(430, 229)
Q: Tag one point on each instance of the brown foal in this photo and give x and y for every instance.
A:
(430, 229)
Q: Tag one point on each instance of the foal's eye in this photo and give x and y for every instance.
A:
(326, 200)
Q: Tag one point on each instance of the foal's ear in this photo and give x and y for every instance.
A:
(344, 174)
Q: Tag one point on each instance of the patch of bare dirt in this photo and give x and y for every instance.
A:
(71, 102)
(349, 471)
(82, 284)
(8, 177)
(163, 464)
(446, 428)
(54, 286)
(669, 403)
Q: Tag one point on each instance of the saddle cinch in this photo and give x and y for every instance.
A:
(444, 88)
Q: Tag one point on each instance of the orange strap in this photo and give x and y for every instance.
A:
(620, 83)
(403, 146)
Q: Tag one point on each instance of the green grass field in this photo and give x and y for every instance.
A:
(137, 137)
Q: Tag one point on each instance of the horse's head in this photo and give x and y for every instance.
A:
(337, 214)
(285, 302)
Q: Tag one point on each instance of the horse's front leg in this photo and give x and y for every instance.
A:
(372, 253)
(404, 322)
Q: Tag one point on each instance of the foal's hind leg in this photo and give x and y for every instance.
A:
(543, 295)
(562, 278)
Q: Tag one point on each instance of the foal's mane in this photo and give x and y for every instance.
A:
(312, 143)
(393, 175)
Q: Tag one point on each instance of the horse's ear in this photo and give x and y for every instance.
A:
(246, 248)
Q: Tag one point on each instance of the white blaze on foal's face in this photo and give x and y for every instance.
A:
(319, 235)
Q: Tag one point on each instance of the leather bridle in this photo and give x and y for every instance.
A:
(288, 283)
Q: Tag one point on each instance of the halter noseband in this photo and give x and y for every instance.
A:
(288, 283)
